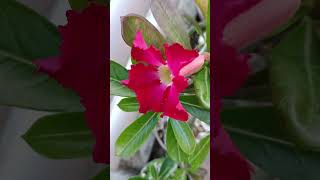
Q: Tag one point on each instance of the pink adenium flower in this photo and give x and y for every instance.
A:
(232, 30)
(158, 82)
(82, 67)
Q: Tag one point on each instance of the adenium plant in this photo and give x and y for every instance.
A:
(168, 84)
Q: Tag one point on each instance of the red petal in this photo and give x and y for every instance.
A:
(178, 57)
(145, 82)
(82, 67)
(232, 70)
(172, 106)
(141, 53)
(227, 161)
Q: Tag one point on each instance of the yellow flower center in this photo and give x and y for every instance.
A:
(165, 74)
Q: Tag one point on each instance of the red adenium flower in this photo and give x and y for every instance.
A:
(233, 30)
(82, 66)
(158, 83)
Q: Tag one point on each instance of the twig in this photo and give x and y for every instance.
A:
(159, 140)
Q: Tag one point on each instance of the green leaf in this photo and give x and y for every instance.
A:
(21, 85)
(103, 175)
(184, 136)
(136, 134)
(180, 175)
(61, 136)
(201, 153)
(259, 134)
(129, 104)
(152, 172)
(170, 22)
(296, 84)
(173, 149)
(192, 105)
(137, 178)
(167, 168)
(133, 23)
(78, 4)
(202, 86)
(117, 74)
(281, 160)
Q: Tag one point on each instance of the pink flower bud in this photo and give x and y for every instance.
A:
(258, 21)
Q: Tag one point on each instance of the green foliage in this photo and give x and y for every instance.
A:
(173, 149)
(25, 37)
(171, 22)
(295, 83)
(136, 134)
(184, 136)
(133, 23)
(201, 153)
(202, 86)
(61, 136)
(117, 74)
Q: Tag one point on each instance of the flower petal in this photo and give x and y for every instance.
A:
(172, 106)
(82, 66)
(144, 81)
(178, 57)
(225, 11)
(232, 70)
(193, 67)
(141, 53)
(227, 161)
(139, 41)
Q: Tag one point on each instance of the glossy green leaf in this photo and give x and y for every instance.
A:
(170, 22)
(173, 149)
(184, 136)
(103, 175)
(133, 23)
(193, 106)
(201, 153)
(117, 74)
(202, 86)
(136, 134)
(167, 168)
(61, 136)
(258, 132)
(21, 85)
(295, 82)
(129, 104)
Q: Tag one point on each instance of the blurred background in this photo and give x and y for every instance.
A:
(17, 160)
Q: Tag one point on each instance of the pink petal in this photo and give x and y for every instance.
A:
(226, 10)
(178, 57)
(82, 66)
(141, 53)
(227, 161)
(259, 21)
(172, 106)
(139, 41)
(144, 81)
